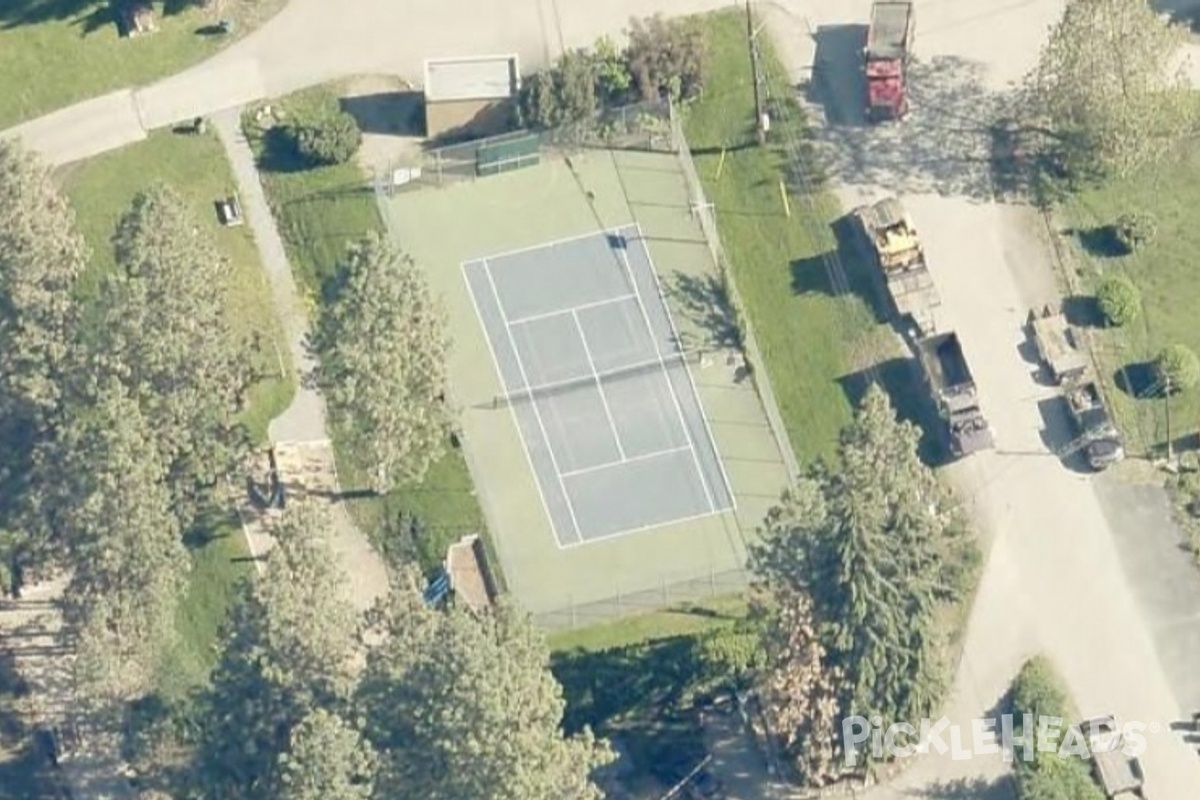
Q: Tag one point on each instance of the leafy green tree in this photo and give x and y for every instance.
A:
(667, 56)
(1119, 300)
(460, 706)
(611, 67)
(327, 759)
(285, 653)
(165, 331)
(564, 94)
(1105, 87)
(1050, 775)
(327, 138)
(382, 341)
(129, 563)
(856, 563)
(1178, 368)
(41, 258)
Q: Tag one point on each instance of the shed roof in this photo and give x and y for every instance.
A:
(473, 78)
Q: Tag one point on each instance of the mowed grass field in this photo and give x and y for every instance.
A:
(1164, 271)
(811, 339)
(100, 191)
(319, 211)
(57, 52)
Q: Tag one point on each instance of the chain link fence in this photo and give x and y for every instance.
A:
(640, 126)
(705, 212)
(673, 589)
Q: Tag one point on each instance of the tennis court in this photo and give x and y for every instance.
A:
(598, 382)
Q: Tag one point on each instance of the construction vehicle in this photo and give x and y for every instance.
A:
(885, 57)
(949, 378)
(1119, 774)
(1097, 436)
(897, 249)
(1057, 347)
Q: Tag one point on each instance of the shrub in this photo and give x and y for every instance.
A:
(329, 138)
(667, 56)
(1177, 367)
(1119, 300)
(1134, 230)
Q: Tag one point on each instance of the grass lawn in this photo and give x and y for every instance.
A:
(57, 52)
(1164, 271)
(100, 190)
(319, 211)
(810, 339)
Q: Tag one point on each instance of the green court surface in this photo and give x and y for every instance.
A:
(446, 226)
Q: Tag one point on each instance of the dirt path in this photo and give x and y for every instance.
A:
(302, 429)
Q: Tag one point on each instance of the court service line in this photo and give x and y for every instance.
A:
(670, 387)
(662, 296)
(572, 309)
(641, 528)
(630, 460)
(494, 257)
(537, 414)
(511, 410)
(587, 352)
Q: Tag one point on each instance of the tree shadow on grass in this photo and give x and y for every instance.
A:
(901, 380)
(641, 691)
(1001, 788)
(1083, 311)
(90, 15)
(1100, 241)
(278, 152)
(1138, 380)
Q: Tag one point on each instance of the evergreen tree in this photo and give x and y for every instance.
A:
(460, 706)
(383, 344)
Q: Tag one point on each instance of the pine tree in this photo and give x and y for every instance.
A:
(286, 653)
(129, 563)
(383, 344)
(460, 706)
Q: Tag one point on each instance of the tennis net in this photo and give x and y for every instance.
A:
(558, 388)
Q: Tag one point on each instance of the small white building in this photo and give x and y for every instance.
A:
(474, 96)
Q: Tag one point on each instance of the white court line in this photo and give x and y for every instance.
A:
(612, 423)
(622, 462)
(616, 373)
(712, 507)
(712, 440)
(641, 528)
(572, 309)
(536, 413)
(511, 410)
(553, 242)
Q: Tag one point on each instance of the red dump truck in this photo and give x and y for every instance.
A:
(889, 42)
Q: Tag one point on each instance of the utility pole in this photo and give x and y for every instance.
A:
(760, 114)
(1167, 398)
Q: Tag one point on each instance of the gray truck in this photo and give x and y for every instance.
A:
(953, 388)
(1067, 362)
(1119, 774)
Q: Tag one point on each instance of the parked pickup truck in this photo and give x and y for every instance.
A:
(1098, 436)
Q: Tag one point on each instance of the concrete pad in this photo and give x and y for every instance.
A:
(84, 129)
(198, 92)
